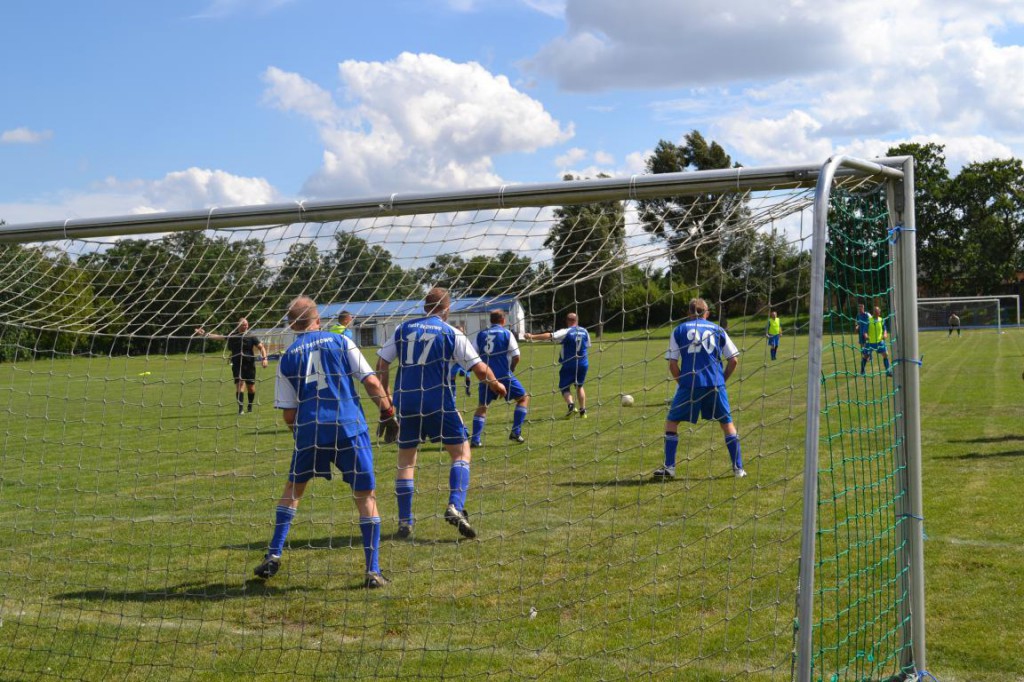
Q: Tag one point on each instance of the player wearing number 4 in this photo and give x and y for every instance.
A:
(500, 350)
(573, 358)
(316, 388)
(695, 354)
(425, 349)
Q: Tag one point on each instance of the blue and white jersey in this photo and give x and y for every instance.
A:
(497, 346)
(425, 349)
(575, 344)
(317, 376)
(863, 319)
(700, 347)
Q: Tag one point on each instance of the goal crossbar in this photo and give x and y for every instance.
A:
(504, 196)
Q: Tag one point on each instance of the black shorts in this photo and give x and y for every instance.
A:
(244, 371)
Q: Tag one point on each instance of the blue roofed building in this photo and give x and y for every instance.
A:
(375, 321)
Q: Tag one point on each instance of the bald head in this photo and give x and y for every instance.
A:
(572, 320)
(302, 313)
(437, 302)
(243, 325)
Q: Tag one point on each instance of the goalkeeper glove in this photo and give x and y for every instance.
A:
(387, 428)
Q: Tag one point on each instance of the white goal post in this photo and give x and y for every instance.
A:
(961, 304)
(139, 501)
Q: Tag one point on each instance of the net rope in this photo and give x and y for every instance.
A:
(136, 501)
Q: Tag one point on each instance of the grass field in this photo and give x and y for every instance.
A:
(134, 506)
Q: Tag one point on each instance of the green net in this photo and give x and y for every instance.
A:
(860, 583)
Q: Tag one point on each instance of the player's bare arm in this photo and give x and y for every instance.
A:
(730, 366)
(673, 369)
(263, 352)
(288, 414)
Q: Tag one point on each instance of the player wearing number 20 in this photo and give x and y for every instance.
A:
(425, 349)
(695, 355)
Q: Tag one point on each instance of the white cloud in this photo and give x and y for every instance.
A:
(417, 122)
(552, 8)
(571, 157)
(785, 81)
(25, 136)
(191, 189)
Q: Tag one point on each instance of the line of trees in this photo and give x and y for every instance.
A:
(146, 295)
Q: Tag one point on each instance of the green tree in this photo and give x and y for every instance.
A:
(697, 228)
(506, 273)
(588, 247)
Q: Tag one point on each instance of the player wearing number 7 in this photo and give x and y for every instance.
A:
(695, 354)
(425, 349)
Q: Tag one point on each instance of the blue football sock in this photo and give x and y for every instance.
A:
(671, 445)
(518, 417)
(458, 482)
(863, 363)
(282, 523)
(369, 526)
(478, 428)
(886, 361)
(403, 491)
(733, 443)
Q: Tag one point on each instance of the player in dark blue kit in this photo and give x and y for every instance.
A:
(316, 388)
(695, 354)
(863, 319)
(574, 360)
(425, 349)
(499, 349)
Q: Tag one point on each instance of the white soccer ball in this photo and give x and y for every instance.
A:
(627, 400)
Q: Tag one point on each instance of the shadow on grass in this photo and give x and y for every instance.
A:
(192, 591)
(990, 439)
(990, 455)
(635, 482)
(340, 542)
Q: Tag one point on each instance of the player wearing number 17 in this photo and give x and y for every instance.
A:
(425, 349)
(695, 354)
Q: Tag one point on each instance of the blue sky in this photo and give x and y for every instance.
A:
(113, 107)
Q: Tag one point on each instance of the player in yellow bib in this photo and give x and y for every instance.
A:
(774, 332)
(877, 334)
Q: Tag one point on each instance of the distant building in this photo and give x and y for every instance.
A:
(375, 321)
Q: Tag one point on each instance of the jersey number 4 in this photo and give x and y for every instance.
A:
(315, 371)
(410, 348)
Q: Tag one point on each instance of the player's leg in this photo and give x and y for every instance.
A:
(716, 406)
(283, 517)
(517, 393)
(239, 390)
(732, 444)
(251, 385)
(668, 469)
(885, 359)
(480, 416)
(458, 487)
(581, 393)
(865, 354)
(355, 460)
(566, 379)
(405, 485)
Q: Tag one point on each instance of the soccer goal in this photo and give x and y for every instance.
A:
(140, 480)
(977, 312)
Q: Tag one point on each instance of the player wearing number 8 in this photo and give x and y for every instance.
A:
(500, 350)
(425, 349)
(695, 355)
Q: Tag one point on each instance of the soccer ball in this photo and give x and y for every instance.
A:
(627, 400)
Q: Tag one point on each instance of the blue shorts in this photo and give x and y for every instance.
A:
(773, 340)
(705, 402)
(446, 427)
(876, 347)
(352, 456)
(512, 385)
(571, 373)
